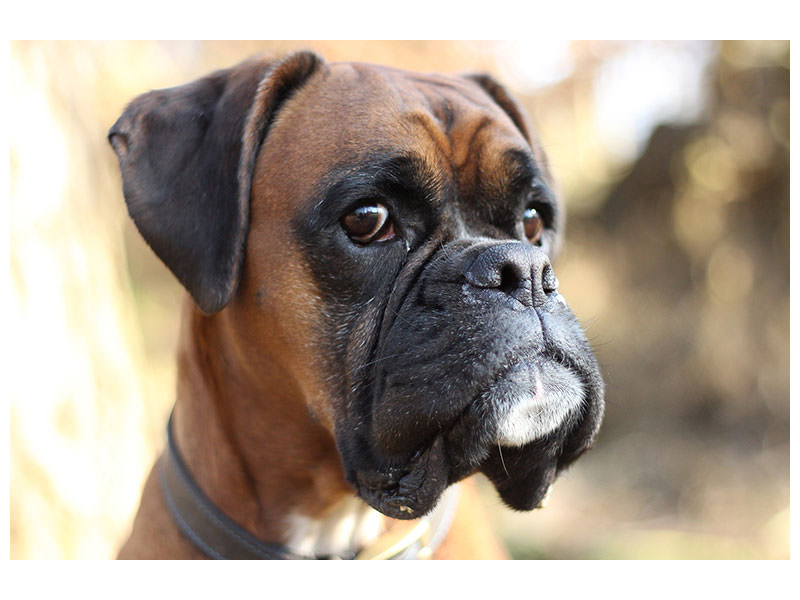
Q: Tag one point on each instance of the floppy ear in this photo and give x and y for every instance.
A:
(500, 95)
(187, 156)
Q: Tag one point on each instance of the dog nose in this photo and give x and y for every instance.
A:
(519, 270)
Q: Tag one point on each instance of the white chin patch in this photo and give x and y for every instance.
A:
(536, 402)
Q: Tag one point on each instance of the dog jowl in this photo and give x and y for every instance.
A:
(376, 245)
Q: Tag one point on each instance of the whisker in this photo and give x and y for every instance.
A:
(502, 462)
(372, 362)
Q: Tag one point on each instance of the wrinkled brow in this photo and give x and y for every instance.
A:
(405, 174)
(518, 171)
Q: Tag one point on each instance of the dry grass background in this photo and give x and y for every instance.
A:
(677, 261)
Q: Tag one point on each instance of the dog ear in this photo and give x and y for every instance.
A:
(187, 156)
(504, 99)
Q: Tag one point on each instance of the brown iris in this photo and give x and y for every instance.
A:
(533, 224)
(368, 223)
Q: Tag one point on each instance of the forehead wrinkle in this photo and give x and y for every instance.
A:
(471, 146)
(435, 133)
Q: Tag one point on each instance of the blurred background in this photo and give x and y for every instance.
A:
(673, 159)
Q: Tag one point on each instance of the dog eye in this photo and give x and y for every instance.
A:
(533, 224)
(369, 223)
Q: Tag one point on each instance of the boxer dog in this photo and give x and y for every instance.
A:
(373, 314)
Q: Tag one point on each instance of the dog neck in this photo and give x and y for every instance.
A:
(254, 449)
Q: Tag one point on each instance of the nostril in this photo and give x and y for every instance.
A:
(519, 271)
(510, 278)
(549, 279)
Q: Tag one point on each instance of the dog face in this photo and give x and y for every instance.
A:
(399, 230)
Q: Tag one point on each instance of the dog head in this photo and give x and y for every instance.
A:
(386, 237)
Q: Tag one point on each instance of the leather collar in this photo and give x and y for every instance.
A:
(219, 537)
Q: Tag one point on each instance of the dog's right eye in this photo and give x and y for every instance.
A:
(533, 224)
(369, 223)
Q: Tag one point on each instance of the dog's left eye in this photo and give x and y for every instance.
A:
(369, 223)
(533, 225)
